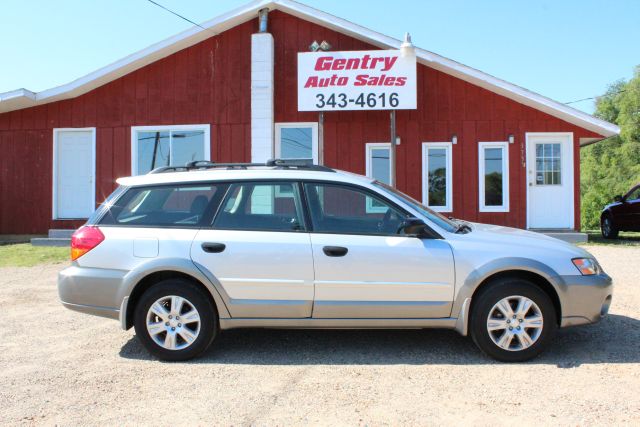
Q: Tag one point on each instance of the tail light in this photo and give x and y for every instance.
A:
(84, 239)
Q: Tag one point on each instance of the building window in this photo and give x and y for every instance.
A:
(297, 141)
(156, 146)
(437, 189)
(494, 176)
(549, 164)
(378, 168)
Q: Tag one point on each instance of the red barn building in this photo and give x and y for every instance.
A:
(476, 148)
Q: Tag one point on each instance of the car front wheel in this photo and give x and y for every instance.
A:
(175, 320)
(513, 320)
(609, 231)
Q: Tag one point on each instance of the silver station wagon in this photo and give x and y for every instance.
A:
(183, 253)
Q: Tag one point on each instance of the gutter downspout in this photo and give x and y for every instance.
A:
(263, 20)
(262, 91)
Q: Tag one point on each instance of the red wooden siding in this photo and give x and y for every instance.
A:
(447, 106)
(210, 83)
(206, 83)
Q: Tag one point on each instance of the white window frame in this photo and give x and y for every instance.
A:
(370, 146)
(369, 149)
(482, 146)
(134, 140)
(289, 125)
(448, 207)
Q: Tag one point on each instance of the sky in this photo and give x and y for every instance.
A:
(566, 50)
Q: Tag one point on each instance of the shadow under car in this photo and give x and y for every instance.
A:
(613, 340)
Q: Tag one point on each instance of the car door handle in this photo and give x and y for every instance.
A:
(335, 251)
(213, 248)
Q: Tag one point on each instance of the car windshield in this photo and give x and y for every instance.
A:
(442, 221)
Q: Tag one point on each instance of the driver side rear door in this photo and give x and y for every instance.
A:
(258, 250)
(364, 268)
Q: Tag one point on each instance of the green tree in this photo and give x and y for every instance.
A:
(612, 167)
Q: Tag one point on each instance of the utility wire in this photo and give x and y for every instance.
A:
(594, 97)
(207, 29)
(178, 15)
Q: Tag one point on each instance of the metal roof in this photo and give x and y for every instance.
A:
(23, 98)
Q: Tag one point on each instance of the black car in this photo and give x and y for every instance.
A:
(621, 215)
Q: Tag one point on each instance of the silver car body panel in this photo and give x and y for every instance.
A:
(262, 273)
(383, 276)
(345, 323)
(425, 283)
(585, 299)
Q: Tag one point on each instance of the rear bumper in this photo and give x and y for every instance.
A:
(585, 299)
(108, 312)
(91, 290)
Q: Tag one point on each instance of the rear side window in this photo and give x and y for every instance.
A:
(168, 205)
(105, 206)
(261, 206)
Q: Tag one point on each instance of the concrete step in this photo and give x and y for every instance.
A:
(569, 236)
(59, 233)
(12, 239)
(51, 241)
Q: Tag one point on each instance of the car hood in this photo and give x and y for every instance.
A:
(611, 205)
(522, 242)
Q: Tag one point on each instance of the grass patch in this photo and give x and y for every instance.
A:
(25, 255)
(625, 238)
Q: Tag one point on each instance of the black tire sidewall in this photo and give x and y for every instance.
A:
(494, 293)
(190, 291)
(613, 232)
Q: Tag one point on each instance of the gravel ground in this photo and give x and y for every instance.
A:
(61, 367)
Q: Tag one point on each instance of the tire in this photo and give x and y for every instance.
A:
(184, 341)
(515, 345)
(608, 228)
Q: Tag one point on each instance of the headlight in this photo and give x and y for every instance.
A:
(586, 266)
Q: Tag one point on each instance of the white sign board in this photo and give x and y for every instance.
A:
(356, 80)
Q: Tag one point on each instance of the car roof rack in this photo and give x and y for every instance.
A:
(296, 164)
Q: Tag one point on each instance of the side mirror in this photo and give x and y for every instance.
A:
(617, 199)
(412, 227)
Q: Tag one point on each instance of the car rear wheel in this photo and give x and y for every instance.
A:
(175, 320)
(513, 320)
(609, 231)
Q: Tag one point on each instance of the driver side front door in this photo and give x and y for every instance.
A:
(364, 268)
(632, 210)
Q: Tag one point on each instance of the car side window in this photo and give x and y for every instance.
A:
(177, 205)
(634, 195)
(261, 206)
(343, 209)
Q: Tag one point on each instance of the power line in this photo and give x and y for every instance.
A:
(595, 97)
(177, 14)
(207, 29)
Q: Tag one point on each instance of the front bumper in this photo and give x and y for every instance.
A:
(91, 290)
(584, 299)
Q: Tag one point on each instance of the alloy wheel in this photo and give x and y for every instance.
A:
(173, 322)
(515, 323)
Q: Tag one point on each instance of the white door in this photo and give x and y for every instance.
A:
(74, 173)
(550, 185)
